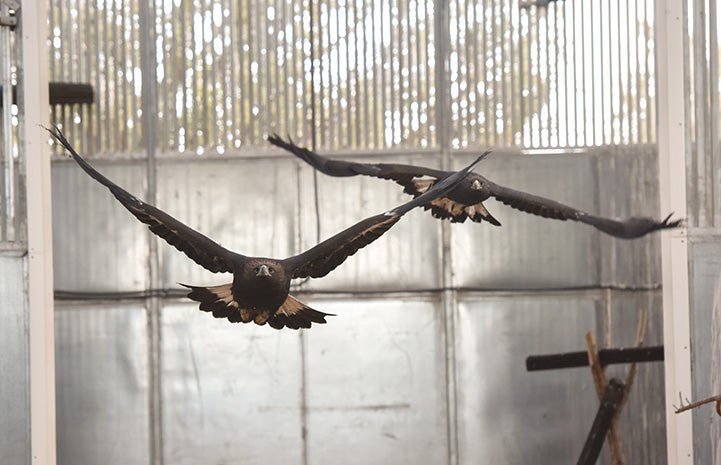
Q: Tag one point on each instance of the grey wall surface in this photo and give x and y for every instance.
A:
(705, 276)
(405, 372)
(14, 381)
(102, 384)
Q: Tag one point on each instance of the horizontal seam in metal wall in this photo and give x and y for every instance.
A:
(262, 153)
(64, 295)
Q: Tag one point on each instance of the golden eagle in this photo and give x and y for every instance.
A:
(260, 288)
(466, 199)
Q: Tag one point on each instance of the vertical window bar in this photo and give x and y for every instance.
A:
(570, 75)
(485, 73)
(406, 75)
(365, 139)
(629, 77)
(650, 75)
(584, 97)
(286, 64)
(536, 77)
(233, 95)
(715, 120)
(7, 197)
(510, 68)
(395, 70)
(559, 26)
(697, 106)
(643, 73)
(495, 15)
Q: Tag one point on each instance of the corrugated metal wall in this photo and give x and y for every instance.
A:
(704, 199)
(424, 362)
(14, 357)
(374, 382)
(14, 383)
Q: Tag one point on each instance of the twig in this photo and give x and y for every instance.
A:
(640, 334)
(699, 403)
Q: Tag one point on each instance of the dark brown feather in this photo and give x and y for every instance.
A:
(199, 248)
(326, 256)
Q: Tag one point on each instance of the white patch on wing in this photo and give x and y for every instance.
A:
(291, 306)
(478, 208)
(424, 183)
(454, 208)
(224, 293)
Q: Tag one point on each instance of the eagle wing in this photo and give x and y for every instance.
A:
(326, 256)
(414, 179)
(199, 248)
(628, 228)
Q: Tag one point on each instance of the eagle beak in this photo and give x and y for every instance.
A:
(476, 186)
(263, 272)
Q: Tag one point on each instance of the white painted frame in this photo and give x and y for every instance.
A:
(34, 100)
(671, 120)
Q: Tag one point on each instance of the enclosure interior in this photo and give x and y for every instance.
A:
(424, 360)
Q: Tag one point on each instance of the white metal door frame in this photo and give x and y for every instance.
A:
(672, 142)
(33, 104)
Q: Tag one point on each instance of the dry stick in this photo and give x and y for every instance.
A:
(708, 400)
(640, 334)
(599, 381)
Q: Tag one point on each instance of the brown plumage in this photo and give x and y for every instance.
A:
(259, 291)
(465, 201)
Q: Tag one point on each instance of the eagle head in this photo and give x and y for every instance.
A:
(263, 271)
(476, 185)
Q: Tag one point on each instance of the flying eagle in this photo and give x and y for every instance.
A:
(466, 200)
(260, 287)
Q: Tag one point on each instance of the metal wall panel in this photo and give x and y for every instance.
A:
(510, 416)
(14, 382)
(102, 384)
(628, 186)
(406, 258)
(529, 251)
(703, 113)
(646, 402)
(248, 206)
(535, 252)
(705, 284)
(98, 245)
(231, 392)
(376, 383)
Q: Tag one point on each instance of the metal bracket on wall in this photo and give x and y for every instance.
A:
(8, 13)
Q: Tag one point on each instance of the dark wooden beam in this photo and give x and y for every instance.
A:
(63, 93)
(607, 356)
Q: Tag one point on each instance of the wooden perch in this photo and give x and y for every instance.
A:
(612, 396)
(63, 93)
(599, 381)
(607, 357)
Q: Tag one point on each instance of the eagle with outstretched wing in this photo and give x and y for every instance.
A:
(465, 201)
(260, 288)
